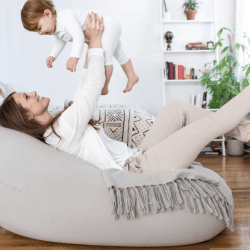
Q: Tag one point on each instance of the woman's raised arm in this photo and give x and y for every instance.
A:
(77, 116)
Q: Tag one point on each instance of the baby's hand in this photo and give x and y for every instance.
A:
(49, 61)
(71, 64)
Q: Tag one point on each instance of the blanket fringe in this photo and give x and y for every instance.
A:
(196, 195)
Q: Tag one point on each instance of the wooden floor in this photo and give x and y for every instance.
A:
(235, 171)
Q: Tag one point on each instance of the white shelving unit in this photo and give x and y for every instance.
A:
(184, 53)
(188, 21)
(165, 52)
(187, 51)
(181, 81)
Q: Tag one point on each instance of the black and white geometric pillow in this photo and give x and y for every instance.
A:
(124, 123)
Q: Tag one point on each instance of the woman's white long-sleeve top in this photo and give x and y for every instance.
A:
(78, 137)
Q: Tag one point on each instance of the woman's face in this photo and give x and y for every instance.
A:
(36, 105)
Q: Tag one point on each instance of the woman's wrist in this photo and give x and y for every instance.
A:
(95, 43)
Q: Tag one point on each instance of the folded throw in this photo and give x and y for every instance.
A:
(198, 188)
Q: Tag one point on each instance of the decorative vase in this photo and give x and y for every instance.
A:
(235, 147)
(190, 14)
(167, 16)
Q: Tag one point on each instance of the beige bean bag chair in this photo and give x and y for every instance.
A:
(53, 196)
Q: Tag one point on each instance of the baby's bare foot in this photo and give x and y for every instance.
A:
(105, 91)
(131, 82)
(248, 137)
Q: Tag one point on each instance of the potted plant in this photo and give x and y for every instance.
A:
(190, 7)
(222, 79)
(224, 83)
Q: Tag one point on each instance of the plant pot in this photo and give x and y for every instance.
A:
(235, 147)
(167, 16)
(190, 14)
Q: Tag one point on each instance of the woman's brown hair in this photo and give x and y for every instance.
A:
(33, 10)
(14, 116)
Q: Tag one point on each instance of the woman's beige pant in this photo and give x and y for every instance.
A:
(181, 130)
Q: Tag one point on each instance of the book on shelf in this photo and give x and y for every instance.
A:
(192, 99)
(166, 70)
(198, 101)
(218, 148)
(180, 72)
(211, 153)
(214, 147)
(201, 100)
(204, 100)
(171, 70)
(196, 45)
(207, 148)
(196, 49)
(191, 73)
(187, 73)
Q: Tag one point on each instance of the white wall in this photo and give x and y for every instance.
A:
(3, 40)
(23, 53)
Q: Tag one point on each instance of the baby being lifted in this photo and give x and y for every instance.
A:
(70, 26)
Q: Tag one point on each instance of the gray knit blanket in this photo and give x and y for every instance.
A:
(199, 190)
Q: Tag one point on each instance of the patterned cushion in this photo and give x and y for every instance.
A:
(124, 123)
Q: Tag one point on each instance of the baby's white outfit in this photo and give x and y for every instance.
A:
(78, 137)
(70, 27)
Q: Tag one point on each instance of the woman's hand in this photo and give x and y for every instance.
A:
(94, 29)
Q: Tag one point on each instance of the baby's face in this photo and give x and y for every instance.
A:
(46, 24)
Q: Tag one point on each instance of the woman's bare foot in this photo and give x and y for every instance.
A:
(105, 91)
(131, 82)
(248, 137)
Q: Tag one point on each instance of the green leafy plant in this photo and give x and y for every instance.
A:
(191, 5)
(222, 80)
